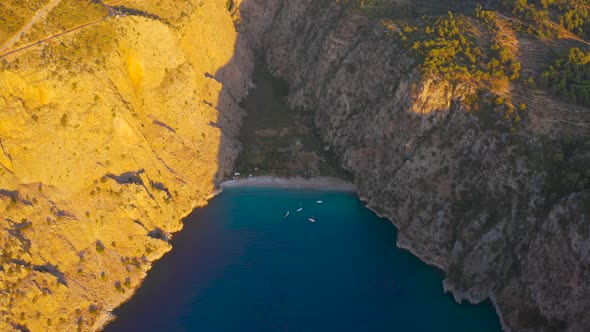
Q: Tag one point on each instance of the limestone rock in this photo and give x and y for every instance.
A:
(109, 136)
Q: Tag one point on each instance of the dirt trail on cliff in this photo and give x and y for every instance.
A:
(27, 26)
(41, 41)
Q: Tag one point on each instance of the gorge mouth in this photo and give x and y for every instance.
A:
(117, 122)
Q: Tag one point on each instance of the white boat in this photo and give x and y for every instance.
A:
(319, 202)
(286, 215)
(312, 218)
(300, 208)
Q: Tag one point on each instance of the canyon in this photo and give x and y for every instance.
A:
(113, 133)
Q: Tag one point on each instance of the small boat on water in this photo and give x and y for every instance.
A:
(319, 202)
(300, 208)
(287, 214)
(311, 219)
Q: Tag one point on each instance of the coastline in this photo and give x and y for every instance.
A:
(108, 316)
(318, 183)
(408, 247)
(253, 208)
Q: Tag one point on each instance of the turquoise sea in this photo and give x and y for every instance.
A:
(239, 265)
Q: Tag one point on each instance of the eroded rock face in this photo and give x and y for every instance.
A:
(464, 198)
(108, 137)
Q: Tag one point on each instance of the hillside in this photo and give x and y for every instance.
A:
(451, 131)
(466, 123)
(115, 122)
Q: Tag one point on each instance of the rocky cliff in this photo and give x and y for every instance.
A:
(110, 132)
(467, 197)
(115, 122)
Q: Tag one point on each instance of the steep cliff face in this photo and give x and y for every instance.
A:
(109, 135)
(466, 198)
(111, 132)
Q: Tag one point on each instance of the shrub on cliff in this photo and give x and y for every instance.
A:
(99, 246)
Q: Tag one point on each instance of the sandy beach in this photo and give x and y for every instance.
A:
(319, 183)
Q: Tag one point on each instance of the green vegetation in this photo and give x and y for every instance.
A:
(494, 112)
(569, 77)
(535, 16)
(229, 5)
(567, 165)
(99, 246)
(467, 46)
(573, 15)
(63, 121)
(280, 141)
(532, 19)
(452, 47)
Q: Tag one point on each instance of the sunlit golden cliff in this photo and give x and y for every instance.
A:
(109, 135)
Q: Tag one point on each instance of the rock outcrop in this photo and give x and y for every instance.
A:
(469, 199)
(109, 136)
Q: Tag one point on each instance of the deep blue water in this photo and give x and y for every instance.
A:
(238, 265)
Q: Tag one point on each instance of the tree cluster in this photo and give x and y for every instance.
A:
(535, 16)
(567, 166)
(451, 48)
(569, 77)
(532, 18)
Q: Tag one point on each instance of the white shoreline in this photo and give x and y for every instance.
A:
(319, 183)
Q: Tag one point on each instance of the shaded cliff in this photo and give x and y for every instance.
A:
(467, 195)
(110, 133)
